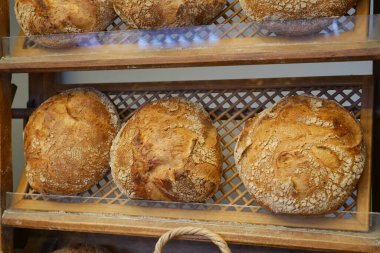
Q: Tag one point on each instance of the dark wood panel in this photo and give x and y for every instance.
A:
(376, 137)
(5, 156)
(45, 241)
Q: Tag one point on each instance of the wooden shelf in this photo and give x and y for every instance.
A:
(232, 213)
(120, 224)
(225, 43)
(194, 46)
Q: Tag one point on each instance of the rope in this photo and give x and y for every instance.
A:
(215, 238)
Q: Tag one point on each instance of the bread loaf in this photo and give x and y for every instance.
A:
(168, 150)
(149, 14)
(67, 141)
(304, 156)
(42, 17)
(294, 17)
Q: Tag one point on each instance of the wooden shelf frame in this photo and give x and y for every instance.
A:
(21, 214)
(347, 46)
(234, 234)
(42, 82)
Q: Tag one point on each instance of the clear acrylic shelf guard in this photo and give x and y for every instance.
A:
(21, 213)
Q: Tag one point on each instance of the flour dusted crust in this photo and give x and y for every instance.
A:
(304, 156)
(296, 17)
(42, 17)
(168, 150)
(67, 141)
(148, 14)
(69, 16)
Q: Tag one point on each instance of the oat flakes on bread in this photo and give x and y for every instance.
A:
(304, 155)
(152, 14)
(67, 141)
(168, 150)
(294, 17)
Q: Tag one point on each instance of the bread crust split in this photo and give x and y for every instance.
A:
(168, 150)
(304, 156)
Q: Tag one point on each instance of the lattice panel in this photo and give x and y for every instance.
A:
(231, 23)
(229, 109)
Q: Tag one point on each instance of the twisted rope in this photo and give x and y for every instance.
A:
(215, 238)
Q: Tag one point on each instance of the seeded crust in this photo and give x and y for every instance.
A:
(304, 156)
(168, 150)
(67, 141)
(296, 17)
(42, 17)
(149, 14)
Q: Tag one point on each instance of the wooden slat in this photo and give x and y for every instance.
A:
(21, 113)
(227, 52)
(259, 83)
(376, 137)
(4, 21)
(6, 98)
(366, 119)
(251, 235)
(200, 215)
(41, 87)
(5, 156)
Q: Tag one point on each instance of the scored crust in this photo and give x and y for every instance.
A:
(304, 156)
(67, 141)
(294, 17)
(148, 14)
(168, 150)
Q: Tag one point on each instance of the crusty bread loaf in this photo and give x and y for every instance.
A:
(168, 150)
(294, 17)
(304, 156)
(67, 141)
(82, 249)
(148, 14)
(41, 17)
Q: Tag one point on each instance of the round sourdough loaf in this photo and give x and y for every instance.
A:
(168, 150)
(67, 141)
(42, 17)
(295, 17)
(304, 156)
(149, 14)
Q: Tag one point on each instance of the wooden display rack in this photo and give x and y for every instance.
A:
(230, 212)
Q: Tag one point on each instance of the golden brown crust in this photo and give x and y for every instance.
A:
(302, 156)
(310, 14)
(67, 141)
(168, 150)
(148, 14)
(39, 17)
